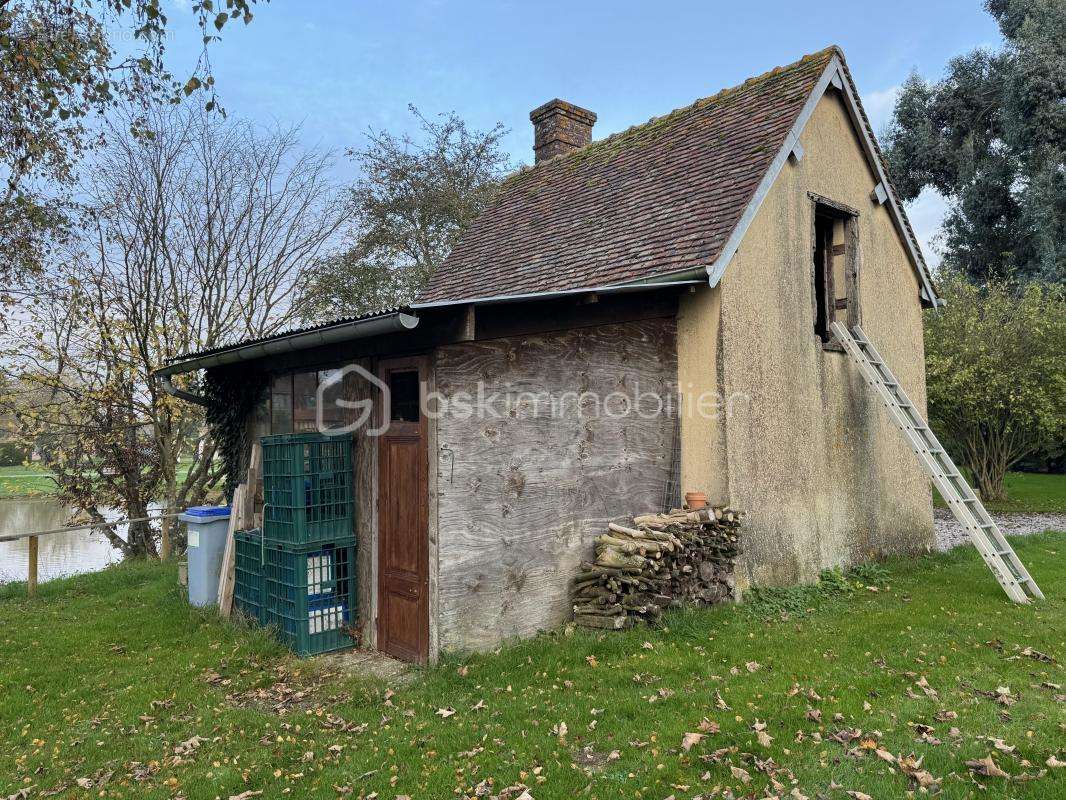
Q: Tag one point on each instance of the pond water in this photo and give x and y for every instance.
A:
(59, 553)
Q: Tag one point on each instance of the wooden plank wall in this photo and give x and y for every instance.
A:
(355, 388)
(522, 497)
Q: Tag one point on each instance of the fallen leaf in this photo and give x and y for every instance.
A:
(1001, 745)
(444, 713)
(858, 795)
(987, 767)
(188, 746)
(741, 775)
(246, 795)
(1004, 696)
(709, 726)
(752, 666)
(1055, 763)
(912, 768)
(923, 684)
(689, 740)
(1036, 655)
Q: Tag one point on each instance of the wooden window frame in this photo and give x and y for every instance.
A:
(825, 206)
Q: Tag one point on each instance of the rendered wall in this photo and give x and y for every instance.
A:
(522, 496)
(811, 454)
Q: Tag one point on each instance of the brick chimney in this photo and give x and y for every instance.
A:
(560, 127)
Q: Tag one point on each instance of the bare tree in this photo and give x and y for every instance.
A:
(413, 202)
(198, 233)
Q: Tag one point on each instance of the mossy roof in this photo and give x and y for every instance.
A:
(656, 199)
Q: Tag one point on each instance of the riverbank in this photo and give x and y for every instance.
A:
(113, 684)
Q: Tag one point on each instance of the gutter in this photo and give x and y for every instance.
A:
(181, 394)
(340, 332)
(617, 288)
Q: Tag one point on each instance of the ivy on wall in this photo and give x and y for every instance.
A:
(232, 393)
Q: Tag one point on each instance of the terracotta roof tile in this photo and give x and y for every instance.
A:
(655, 199)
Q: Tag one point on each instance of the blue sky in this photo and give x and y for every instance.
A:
(339, 68)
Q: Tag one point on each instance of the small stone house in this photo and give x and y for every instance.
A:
(633, 317)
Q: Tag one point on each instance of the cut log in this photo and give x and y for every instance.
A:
(661, 561)
(611, 557)
(609, 623)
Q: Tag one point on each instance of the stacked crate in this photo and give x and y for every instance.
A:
(248, 574)
(306, 560)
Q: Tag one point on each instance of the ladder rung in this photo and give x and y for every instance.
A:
(1010, 573)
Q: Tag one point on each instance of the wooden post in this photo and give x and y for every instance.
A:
(31, 581)
(252, 488)
(164, 538)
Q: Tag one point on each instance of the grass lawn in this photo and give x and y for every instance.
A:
(110, 680)
(25, 481)
(34, 481)
(1027, 491)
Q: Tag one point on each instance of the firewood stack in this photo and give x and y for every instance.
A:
(662, 560)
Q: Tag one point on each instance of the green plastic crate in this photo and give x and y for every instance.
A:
(310, 595)
(248, 574)
(307, 489)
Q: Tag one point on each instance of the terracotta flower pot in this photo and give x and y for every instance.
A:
(695, 500)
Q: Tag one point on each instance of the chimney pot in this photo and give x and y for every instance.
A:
(560, 127)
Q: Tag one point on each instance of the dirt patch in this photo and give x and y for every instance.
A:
(355, 663)
(592, 760)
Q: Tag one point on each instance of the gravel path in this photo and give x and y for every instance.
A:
(950, 533)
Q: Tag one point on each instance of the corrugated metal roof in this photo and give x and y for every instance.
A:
(234, 345)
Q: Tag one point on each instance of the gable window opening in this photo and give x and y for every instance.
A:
(834, 271)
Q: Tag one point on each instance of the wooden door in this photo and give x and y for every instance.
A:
(403, 498)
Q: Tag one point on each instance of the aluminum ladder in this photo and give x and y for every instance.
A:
(961, 499)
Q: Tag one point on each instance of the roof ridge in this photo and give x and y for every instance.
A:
(702, 102)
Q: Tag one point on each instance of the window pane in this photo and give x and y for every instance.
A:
(332, 413)
(403, 401)
(261, 418)
(281, 405)
(304, 385)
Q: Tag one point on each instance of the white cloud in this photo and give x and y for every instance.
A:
(879, 106)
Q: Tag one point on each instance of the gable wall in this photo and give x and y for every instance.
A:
(808, 451)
